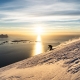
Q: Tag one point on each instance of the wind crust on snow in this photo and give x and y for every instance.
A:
(67, 55)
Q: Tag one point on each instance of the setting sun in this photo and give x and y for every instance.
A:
(38, 30)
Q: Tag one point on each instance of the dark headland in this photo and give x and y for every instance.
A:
(3, 36)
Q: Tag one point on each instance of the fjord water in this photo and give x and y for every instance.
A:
(13, 52)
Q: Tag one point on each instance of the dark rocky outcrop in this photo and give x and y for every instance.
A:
(3, 36)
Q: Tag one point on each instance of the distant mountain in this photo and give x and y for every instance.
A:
(3, 36)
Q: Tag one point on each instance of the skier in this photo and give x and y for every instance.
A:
(50, 47)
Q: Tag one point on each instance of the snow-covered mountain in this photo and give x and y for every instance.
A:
(62, 63)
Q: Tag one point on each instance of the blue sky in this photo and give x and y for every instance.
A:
(57, 15)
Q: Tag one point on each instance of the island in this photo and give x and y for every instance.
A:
(3, 36)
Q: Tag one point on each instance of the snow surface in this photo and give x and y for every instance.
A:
(62, 63)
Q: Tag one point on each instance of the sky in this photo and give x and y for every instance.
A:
(54, 16)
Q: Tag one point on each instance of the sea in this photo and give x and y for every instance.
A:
(17, 48)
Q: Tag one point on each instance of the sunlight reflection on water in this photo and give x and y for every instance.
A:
(38, 48)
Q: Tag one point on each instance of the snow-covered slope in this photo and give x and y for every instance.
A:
(62, 63)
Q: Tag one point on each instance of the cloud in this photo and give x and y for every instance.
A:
(39, 10)
(71, 1)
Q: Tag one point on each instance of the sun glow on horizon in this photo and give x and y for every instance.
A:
(39, 30)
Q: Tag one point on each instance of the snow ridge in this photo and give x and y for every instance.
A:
(64, 60)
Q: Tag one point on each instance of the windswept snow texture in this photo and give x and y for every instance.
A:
(62, 63)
